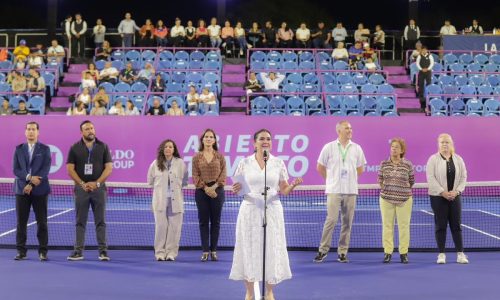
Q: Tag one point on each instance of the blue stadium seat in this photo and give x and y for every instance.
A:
(456, 106)
(354, 114)
(277, 104)
(194, 78)
(490, 67)
(467, 90)
(466, 58)
(259, 105)
(438, 106)
(166, 55)
(213, 56)
(492, 106)
(457, 67)
(344, 78)
(273, 65)
(485, 90)
(197, 56)
(14, 101)
(306, 56)
(461, 80)
(117, 55)
(119, 65)
(138, 100)
(50, 81)
(196, 65)
(391, 114)
(495, 58)
(474, 67)
(328, 78)
(325, 65)
(376, 79)
(289, 65)
(493, 80)
(340, 65)
(164, 64)
(437, 67)
(360, 79)
(258, 56)
(351, 103)
(311, 78)
(449, 59)
(331, 88)
(274, 56)
(446, 79)
(122, 87)
(368, 104)
(413, 72)
(148, 55)
(180, 65)
(372, 114)
(290, 56)
(132, 55)
(211, 77)
(433, 89)
(291, 88)
(212, 65)
(99, 65)
(108, 87)
(474, 106)
(348, 88)
(385, 89)
(294, 78)
(181, 55)
(138, 87)
(179, 100)
(481, 59)
(323, 56)
(37, 103)
(121, 98)
(307, 65)
(334, 103)
(153, 97)
(175, 87)
(295, 106)
(318, 113)
(7, 64)
(257, 65)
(385, 104)
(369, 88)
(313, 104)
(178, 77)
(309, 88)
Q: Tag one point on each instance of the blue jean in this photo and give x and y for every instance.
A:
(128, 38)
(215, 41)
(242, 41)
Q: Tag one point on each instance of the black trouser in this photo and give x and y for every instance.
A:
(209, 211)
(424, 78)
(23, 205)
(97, 199)
(78, 46)
(447, 212)
(409, 44)
(177, 41)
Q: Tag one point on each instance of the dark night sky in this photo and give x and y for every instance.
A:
(392, 14)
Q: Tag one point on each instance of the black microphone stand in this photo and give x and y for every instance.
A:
(264, 225)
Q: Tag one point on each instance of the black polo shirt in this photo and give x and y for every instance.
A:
(99, 156)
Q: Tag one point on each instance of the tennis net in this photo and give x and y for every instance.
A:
(130, 221)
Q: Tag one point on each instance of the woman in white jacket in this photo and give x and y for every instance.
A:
(167, 175)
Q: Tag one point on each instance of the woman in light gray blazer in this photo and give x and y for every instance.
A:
(167, 175)
(446, 176)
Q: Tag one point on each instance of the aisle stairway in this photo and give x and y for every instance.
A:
(233, 80)
(68, 87)
(407, 100)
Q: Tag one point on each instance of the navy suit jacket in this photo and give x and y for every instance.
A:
(40, 166)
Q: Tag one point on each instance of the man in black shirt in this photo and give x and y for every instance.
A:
(321, 38)
(269, 36)
(89, 165)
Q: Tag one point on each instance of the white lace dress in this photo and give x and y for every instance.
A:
(247, 258)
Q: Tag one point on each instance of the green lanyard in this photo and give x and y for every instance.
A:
(343, 153)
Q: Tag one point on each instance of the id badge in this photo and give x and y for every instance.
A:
(88, 169)
(343, 174)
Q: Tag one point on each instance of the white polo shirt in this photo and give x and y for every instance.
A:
(341, 174)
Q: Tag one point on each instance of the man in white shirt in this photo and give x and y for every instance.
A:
(177, 33)
(78, 30)
(214, 33)
(303, 35)
(447, 29)
(272, 81)
(339, 33)
(340, 163)
(99, 33)
(340, 53)
(55, 52)
(109, 73)
(127, 29)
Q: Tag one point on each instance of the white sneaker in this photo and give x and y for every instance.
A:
(441, 258)
(462, 258)
(241, 52)
(249, 46)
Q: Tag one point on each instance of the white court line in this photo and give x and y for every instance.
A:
(468, 227)
(233, 223)
(489, 213)
(32, 223)
(7, 210)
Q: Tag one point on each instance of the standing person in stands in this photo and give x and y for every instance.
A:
(411, 35)
(66, 29)
(362, 34)
(285, 36)
(209, 177)
(202, 34)
(340, 163)
(31, 167)
(447, 176)
(147, 37)
(161, 33)
(379, 38)
(269, 35)
(396, 179)
(167, 175)
(339, 33)
(127, 29)
(99, 32)
(177, 33)
(78, 30)
(89, 164)
(425, 63)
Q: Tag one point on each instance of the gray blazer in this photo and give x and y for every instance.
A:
(159, 181)
(436, 174)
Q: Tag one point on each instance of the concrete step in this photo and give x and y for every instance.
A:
(399, 79)
(67, 90)
(231, 102)
(408, 103)
(56, 113)
(233, 91)
(233, 78)
(77, 68)
(232, 113)
(233, 68)
(73, 77)
(59, 101)
(395, 70)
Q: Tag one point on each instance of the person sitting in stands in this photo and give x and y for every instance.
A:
(447, 29)
(303, 36)
(36, 57)
(88, 81)
(177, 33)
(355, 54)
(475, 28)
(252, 85)
(239, 34)
(55, 52)
(202, 34)
(109, 73)
(128, 75)
(321, 38)
(85, 97)
(5, 110)
(255, 35)
(17, 81)
(130, 109)
(285, 36)
(361, 34)
(103, 52)
(78, 110)
(117, 109)
(158, 85)
(161, 33)
(36, 82)
(416, 52)
(269, 35)
(101, 96)
(190, 40)
(214, 31)
(340, 53)
(370, 65)
(192, 99)
(272, 81)
(21, 52)
(146, 74)
(227, 35)
(20, 64)
(368, 52)
(21, 109)
(207, 100)
(157, 109)
(93, 71)
(99, 109)
(379, 38)
(147, 38)
(174, 109)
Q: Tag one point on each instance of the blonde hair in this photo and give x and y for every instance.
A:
(401, 143)
(452, 144)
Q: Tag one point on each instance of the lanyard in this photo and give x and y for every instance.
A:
(343, 154)
(90, 153)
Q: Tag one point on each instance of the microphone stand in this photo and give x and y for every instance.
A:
(264, 225)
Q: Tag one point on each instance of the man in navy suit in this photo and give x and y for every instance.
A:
(31, 165)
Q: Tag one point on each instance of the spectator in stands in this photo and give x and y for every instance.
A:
(99, 109)
(167, 175)
(202, 34)
(272, 81)
(255, 35)
(78, 30)
(227, 35)
(207, 100)
(379, 38)
(321, 38)
(425, 63)
(447, 177)
(88, 81)
(340, 53)
(369, 52)
(239, 34)
(361, 34)
(370, 65)
(20, 65)
(285, 36)
(396, 179)
(36, 57)
(103, 52)
(17, 81)
(93, 72)
(117, 109)
(78, 110)
(214, 32)
(355, 54)
(411, 35)
(127, 29)
(21, 109)
(36, 83)
(146, 75)
(66, 27)
(55, 52)
(177, 33)
(252, 85)
(130, 109)
(339, 33)
(5, 110)
(109, 73)
(158, 85)
(192, 99)
(4, 54)
(447, 29)
(190, 40)
(303, 36)
(209, 177)
(475, 28)
(99, 32)
(147, 37)
(161, 33)
(416, 52)
(269, 35)
(21, 52)
(175, 110)
(85, 97)
(157, 109)
(101, 95)
(128, 75)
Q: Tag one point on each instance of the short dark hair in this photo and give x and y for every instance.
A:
(33, 123)
(21, 101)
(83, 123)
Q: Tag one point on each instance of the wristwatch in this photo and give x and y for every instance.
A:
(98, 184)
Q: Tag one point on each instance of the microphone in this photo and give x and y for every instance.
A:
(266, 154)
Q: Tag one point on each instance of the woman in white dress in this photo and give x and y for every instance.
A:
(247, 259)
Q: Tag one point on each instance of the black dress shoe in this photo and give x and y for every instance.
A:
(43, 256)
(213, 256)
(204, 256)
(20, 256)
(387, 258)
(404, 258)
